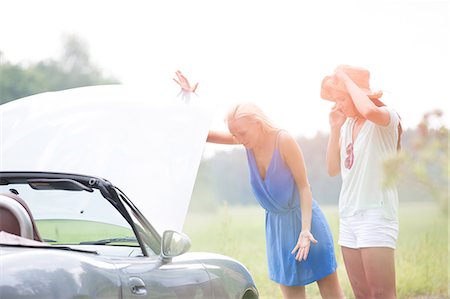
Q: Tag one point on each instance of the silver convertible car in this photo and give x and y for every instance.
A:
(73, 236)
(67, 231)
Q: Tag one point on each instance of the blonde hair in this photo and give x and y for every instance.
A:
(251, 111)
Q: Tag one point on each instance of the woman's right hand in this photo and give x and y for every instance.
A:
(336, 117)
(303, 245)
(184, 83)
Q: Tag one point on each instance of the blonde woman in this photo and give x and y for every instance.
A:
(364, 132)
(299, 243)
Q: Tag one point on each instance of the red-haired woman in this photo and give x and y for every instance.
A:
(364, 132)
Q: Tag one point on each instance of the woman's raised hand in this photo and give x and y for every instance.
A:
(336, 117)
(304, 242)
(184, 83)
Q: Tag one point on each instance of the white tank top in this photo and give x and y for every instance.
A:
(362, 184)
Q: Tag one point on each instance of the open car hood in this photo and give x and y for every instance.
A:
(147, 144)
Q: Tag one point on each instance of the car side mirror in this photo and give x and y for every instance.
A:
(174, 244)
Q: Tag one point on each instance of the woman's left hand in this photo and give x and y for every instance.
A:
(184, 83)
(304, 241)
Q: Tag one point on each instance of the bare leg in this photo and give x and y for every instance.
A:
(330, 288)
(355, 271)
(296, 292)
(379, 266)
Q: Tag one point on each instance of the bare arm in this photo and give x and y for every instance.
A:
(221, 138)
(337, 119)
(363, 104)
(293, 157)
(333, 154)
(213, 136)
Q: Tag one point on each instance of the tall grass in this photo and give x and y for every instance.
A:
(421, 255)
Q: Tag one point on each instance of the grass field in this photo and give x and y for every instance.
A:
(75, 231)
(421, 257)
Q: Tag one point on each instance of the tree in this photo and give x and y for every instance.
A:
(427, 162)
(73, 69)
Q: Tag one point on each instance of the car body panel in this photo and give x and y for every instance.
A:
(193, 275)
(52, 273)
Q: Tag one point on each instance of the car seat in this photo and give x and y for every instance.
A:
(16, 217)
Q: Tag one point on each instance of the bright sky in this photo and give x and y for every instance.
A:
(274, 53)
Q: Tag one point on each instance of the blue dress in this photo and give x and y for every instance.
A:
(279, 196)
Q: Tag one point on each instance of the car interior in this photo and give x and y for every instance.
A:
(16, 217)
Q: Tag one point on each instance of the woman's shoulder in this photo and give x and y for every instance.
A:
(394, 117)
(285, 140)
(284, 136)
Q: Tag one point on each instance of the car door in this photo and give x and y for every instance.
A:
(150, 277)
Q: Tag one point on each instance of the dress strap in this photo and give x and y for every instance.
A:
(278, 137)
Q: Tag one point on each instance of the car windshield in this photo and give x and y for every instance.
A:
(68, 217)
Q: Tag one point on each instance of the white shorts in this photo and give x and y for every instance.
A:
(368, 229)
